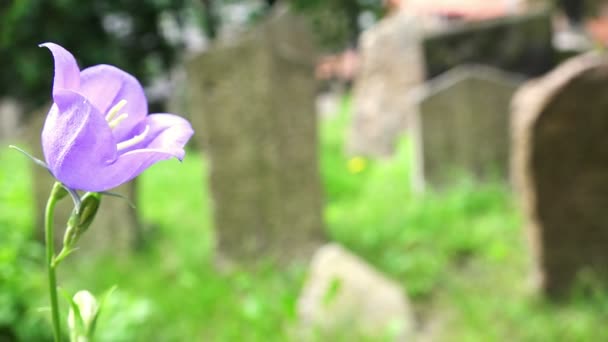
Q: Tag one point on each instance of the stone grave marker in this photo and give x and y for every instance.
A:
(116, 228)
(345, 294)
(253, 102)
(560, 167)
(519, 43)
(10, 115)
(462, 126)
(391, 64)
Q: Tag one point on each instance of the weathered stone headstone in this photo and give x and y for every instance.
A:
(462, 126)
(116, 228)
(520, 44)
(10, 114)
(345, 294)
(391, 64)
(253, 102)
(560, 167)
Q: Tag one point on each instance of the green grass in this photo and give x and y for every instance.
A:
(20, 273)
(459, 254)
(171, 289)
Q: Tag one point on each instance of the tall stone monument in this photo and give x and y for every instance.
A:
(10, 117)
(391, 65)
(253, 102)
(560, 166)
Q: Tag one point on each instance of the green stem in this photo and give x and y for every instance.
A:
(50, 255)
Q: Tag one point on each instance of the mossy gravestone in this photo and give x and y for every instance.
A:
(560, 165)
(345, 296)
(461, 127)
(116, 228)
(10, 117)
(253, 102)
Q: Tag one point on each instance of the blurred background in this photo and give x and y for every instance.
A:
(361, 170)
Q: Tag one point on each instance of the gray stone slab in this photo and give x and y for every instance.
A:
(345, 295)
(519, 43)
(391, 65)
(253, 104)
(10, 116)
(461, 127)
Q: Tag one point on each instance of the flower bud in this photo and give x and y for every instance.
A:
(81, 218)
(83, 313)
(78, 223)
(88, 210)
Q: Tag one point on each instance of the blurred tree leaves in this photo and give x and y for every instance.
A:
(336, 22)
(128, 34)
(125, 33)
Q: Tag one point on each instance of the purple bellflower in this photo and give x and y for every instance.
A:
(98, 134)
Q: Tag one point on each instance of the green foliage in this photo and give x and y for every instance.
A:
(460, 253)
(416, 238)
(171, 292)
(336, 22)
(123, 33)
(21, 290)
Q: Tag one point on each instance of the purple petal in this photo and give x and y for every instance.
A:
(67, 73)
(166, 138)
(124, 169)
(167, 133)
(105, 85)
(77, 141)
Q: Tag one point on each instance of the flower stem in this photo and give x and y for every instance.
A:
(50, 255)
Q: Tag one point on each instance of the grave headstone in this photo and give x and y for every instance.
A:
(116, 228)
(390, 65)
(461, 126)
(345, 294)
(253, 100)
(10, 114)
(560, 167)
(518, 43)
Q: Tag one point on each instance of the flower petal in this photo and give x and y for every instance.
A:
(106, 85)
(67, 73)
(166, 138)
(167, 133)
(76, 140)
(124, 169)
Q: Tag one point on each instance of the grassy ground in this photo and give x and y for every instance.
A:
(460, 256)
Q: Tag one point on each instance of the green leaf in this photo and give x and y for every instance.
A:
(104, 297)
